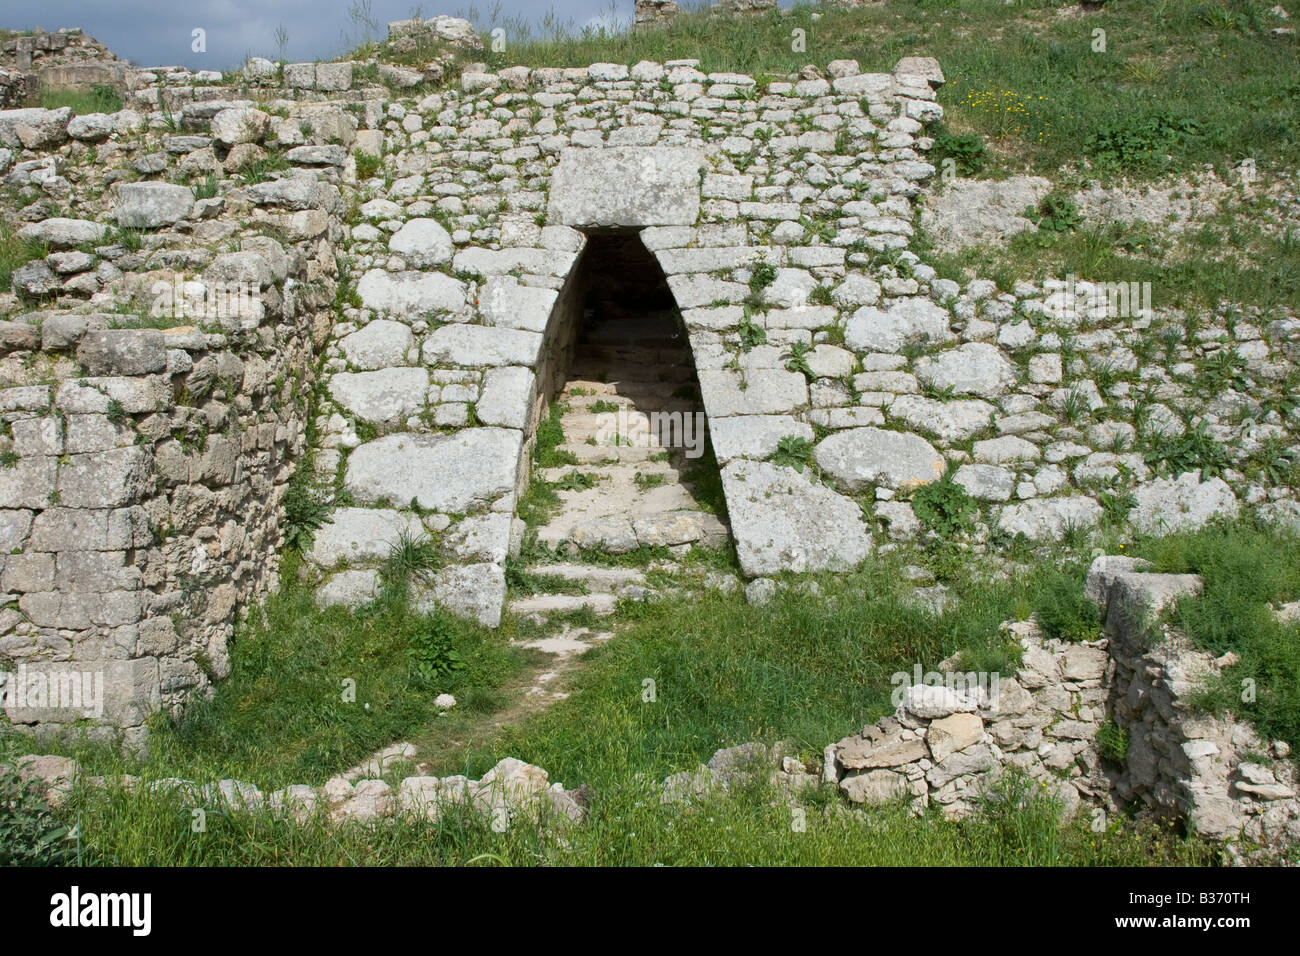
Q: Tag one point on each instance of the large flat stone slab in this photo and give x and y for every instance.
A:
(914, 321)
(447, 473)
(479, 345)
(379, 344)
(761, 391)
(754, 436)
(413, 294)
(422, 243)
(150, 205)
(858, 457)
(476, 591)
(782, 521)
(507, 304)
(387, 395)
(357, 535)
(948, 421)
(975, 368)
(626, 186)
(63, 233)
(507, 397)
(1046, 519)
(1185, 503)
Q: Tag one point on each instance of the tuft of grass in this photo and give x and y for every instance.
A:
(1062, 609)
(945, 508)
(409, 561)
(550, 435)
(305, 509)
(260, 170)
(15, 252)
(368, 164)
(100, 98)
(1112, 742)
(966, 150)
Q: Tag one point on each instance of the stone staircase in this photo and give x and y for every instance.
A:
(633, 427)
(631, 485)
(579, 586)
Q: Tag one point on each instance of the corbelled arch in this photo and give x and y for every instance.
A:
(779, 519)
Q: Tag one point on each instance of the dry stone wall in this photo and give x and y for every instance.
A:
(781, 213)
(64, 59)
(144, 466)
(1212, 770)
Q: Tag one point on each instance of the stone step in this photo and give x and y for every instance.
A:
(632, 389)
(621, 373)
(645, 353)
(619, 533)
(614, 471)
(538, 606)
(620, 493)
(635, 424)
(599, 580)
(598, 454)
(582, 414)
(632, 370)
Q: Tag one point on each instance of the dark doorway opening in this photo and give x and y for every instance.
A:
(635, 467)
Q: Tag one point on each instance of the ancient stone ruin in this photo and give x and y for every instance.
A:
(305, 278)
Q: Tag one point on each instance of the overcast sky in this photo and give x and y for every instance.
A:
(158, 32)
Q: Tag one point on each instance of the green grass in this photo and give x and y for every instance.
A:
(550, 435)
(281, 716)
(15, 252)
(1062, 609)
(260, 170)
(629, 827)
(367, 164)
(1245, 570)
(1263, 269)
(807, 667)
(100, 98)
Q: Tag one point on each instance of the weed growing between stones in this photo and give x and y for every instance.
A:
(305, 509)
(31, 834)
(1112, 742)
(1063, 610)
(15, 252)
(944, 507)
(966, 150)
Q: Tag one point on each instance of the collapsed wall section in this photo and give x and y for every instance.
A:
(955, 734)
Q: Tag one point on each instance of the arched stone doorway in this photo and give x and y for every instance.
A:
(634, 466)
